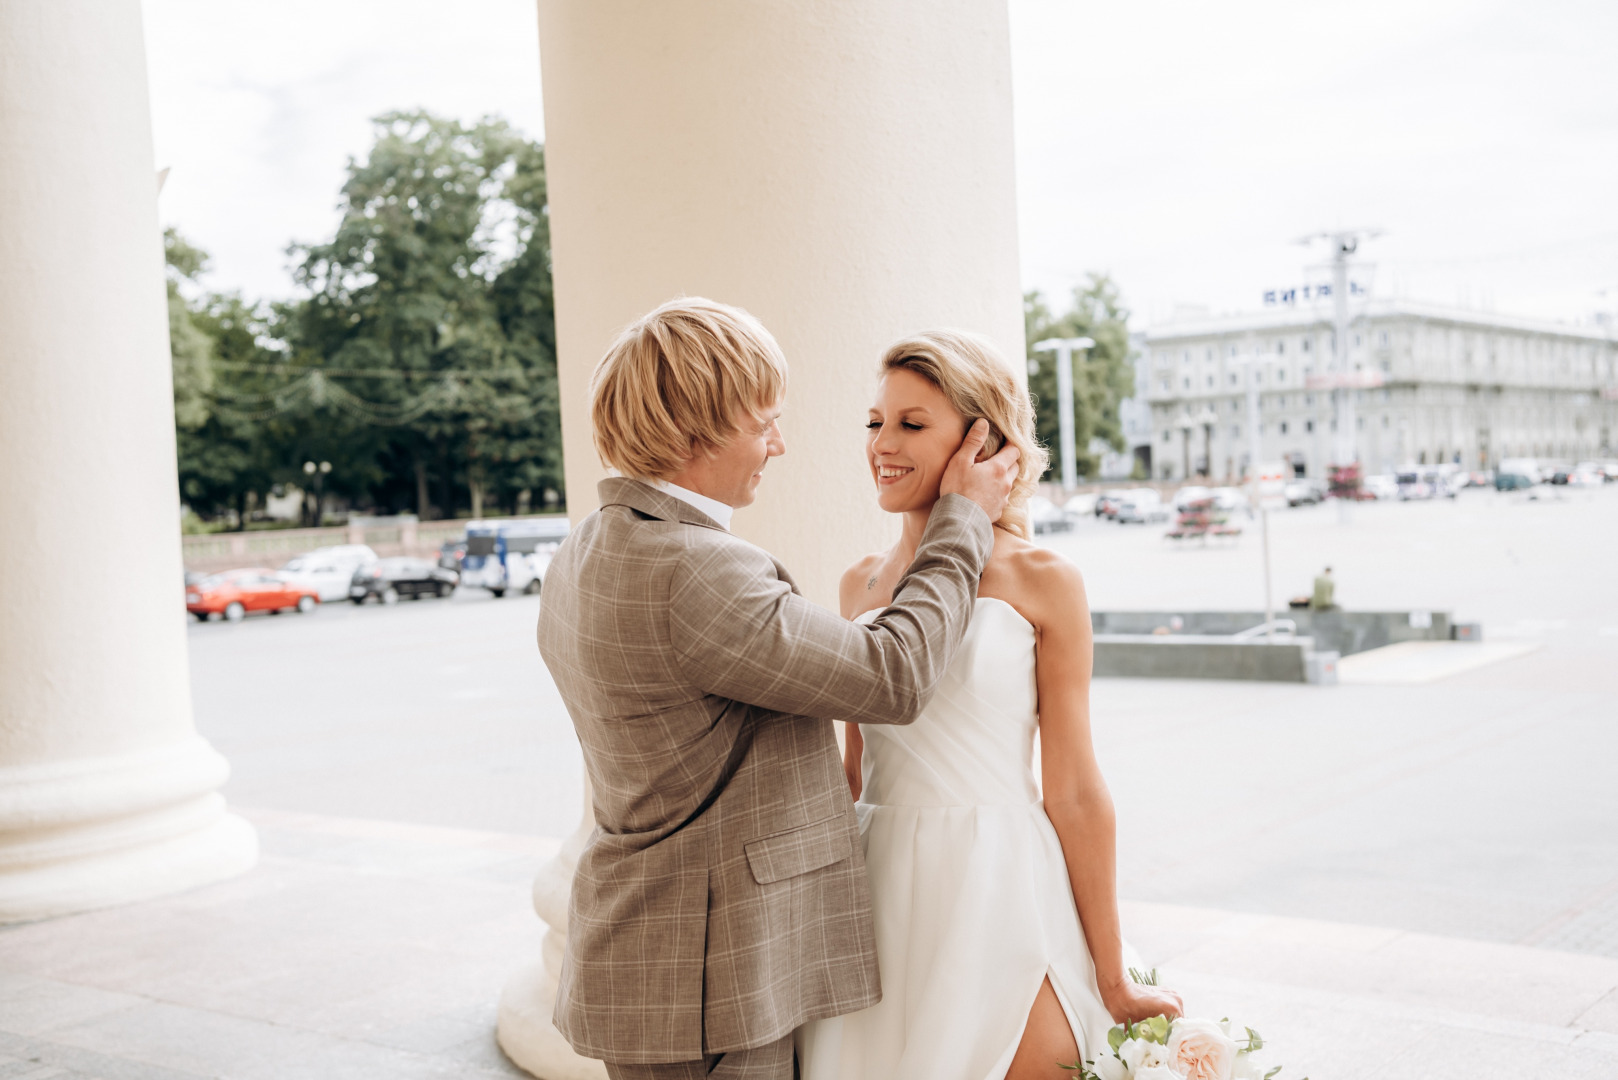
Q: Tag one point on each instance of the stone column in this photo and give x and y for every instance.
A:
(106, 792)
(841, 169)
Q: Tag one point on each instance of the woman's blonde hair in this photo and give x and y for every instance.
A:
(979, 383)
(678, 380)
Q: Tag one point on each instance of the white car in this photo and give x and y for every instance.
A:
(1047, 517)
(1381, 487)
(1141, 505)
(1229, 499)
(1190, 494)
(328, 570)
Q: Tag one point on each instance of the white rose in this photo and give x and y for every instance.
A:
(1157, 1072)
(1247, 1067)
(1110, 1068)
(1201, 1050)
(1141, 1054)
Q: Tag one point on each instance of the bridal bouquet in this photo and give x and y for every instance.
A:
(1180, 1049)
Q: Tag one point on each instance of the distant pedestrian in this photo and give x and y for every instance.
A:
(1325, 592)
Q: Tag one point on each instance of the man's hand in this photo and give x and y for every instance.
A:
(987, 483)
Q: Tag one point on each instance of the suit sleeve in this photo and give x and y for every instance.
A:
(740, 632)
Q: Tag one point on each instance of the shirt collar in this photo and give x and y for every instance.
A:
(715, 509)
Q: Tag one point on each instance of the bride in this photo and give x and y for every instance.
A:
(996, 911)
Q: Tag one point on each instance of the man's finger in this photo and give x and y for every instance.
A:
(976, 435)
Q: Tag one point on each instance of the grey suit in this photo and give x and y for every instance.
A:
(722, 899)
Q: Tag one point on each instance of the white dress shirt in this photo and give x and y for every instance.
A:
(715, 509)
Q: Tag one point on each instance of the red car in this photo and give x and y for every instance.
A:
(236, 592)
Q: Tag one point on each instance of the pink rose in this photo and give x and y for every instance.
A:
(1201, 1050)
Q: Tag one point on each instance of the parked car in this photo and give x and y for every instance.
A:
(451, 553)
(1229, 500)
(1585, 477)
(1140, 506)
(1047, 517)
(1189, 494)
(328, 570)
(1381, 486)
(389, 579)
(1412, 486)
(1512, 481)
(510, 555)
(1107, 503)
(234, 593)
(1301, 493)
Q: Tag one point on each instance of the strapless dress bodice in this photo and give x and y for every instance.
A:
(973, 745)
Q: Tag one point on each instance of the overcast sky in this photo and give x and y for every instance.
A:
(1182, 147)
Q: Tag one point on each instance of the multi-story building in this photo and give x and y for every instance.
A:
(1455, 386)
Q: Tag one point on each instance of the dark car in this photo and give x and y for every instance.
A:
(1510, 481)
(451, 553)
(389, 579)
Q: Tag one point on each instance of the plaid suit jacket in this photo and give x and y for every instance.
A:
(722, 899)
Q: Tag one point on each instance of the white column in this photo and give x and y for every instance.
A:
(106, 792)
(841, 169)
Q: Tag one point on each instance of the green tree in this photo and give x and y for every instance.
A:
(1102, 377)
(439, 276)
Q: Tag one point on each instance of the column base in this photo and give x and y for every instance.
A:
(527, 1035)
(91, 833)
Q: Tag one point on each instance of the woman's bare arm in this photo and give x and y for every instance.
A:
(853, 596)
(1076, 796)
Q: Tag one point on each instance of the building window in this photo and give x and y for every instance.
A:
(1165, 384)
(1232, 351)
(1384, 420)
(1167, 436)
(1382, 339)
(1281, 375)
(1306, 344)
(1210, 382)
(1207, 354)
(1283, 427)
(1281, 348)
(1185, 356)
(1309, 402)
(1235, 431)
(1281, 401)
(1187, 381)
(1308, 425)
(1235, 406)
(1233, 378)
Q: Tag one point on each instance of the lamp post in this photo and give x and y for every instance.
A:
(319, 472)
(1064, 348)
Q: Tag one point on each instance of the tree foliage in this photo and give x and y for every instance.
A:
(420, 361)
(1102, 377)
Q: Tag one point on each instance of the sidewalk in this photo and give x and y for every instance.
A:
(366, 949)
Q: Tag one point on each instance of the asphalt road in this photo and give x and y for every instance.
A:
(1483, 805)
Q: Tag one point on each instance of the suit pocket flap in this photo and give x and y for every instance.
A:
(806, 848)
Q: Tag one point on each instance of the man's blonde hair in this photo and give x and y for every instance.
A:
(979, 382)
(680, 380)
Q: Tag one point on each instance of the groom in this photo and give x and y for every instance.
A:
(722, 898)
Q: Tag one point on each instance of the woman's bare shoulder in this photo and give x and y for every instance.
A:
(1041, 583)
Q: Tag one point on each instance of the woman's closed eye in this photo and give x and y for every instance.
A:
(906, 424)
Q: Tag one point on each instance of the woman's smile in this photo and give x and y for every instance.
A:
(889, 474)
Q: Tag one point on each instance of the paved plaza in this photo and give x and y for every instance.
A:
(1411, 878)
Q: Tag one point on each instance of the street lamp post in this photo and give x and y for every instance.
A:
(318, 471)
(1064, 348)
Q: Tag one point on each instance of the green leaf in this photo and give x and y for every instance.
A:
(1275, 1070)
(1117, 1036)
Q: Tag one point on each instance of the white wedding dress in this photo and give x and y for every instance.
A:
(970, 893)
